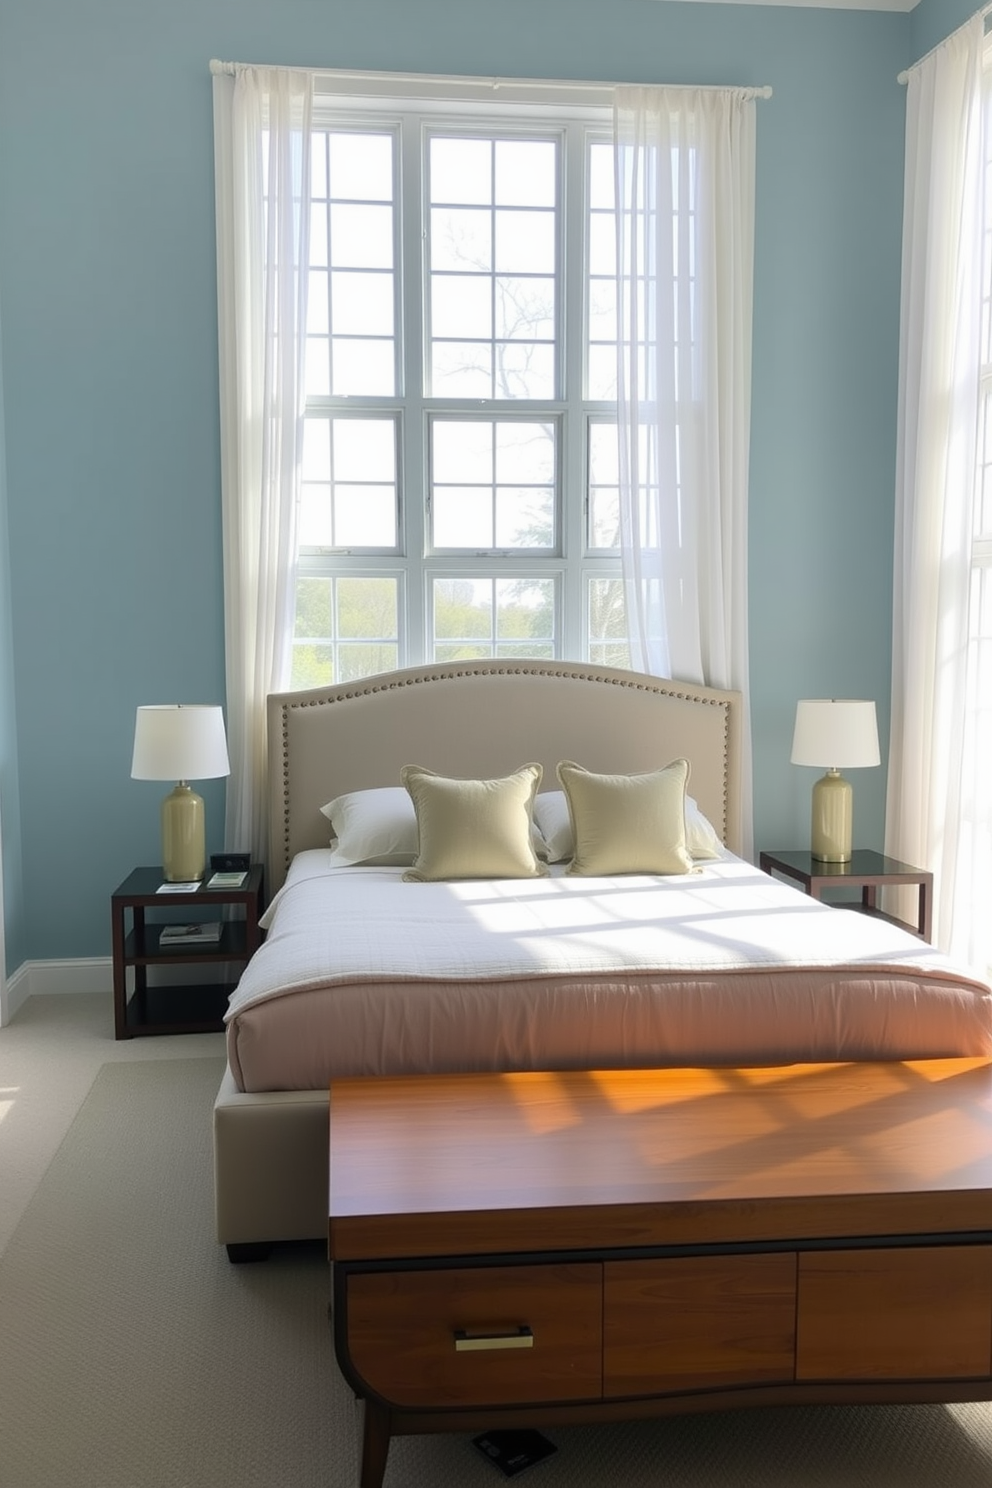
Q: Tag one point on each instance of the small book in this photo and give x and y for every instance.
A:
(226, 880)
(205, 932)
(189, 887)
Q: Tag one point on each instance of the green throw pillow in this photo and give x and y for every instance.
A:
(627, 823)
(473, 828)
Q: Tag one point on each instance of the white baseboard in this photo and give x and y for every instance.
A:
(39, 978)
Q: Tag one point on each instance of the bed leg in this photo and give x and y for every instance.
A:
(241, 1253)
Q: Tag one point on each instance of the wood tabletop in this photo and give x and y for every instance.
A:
(480, 1163)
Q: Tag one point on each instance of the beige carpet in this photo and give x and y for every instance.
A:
(132, 1355)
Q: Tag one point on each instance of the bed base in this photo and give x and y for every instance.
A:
(270, 1168)
(472, 719)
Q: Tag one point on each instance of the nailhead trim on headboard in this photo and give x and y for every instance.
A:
(453, 671)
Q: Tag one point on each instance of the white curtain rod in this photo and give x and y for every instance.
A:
(904, 77)
(494, 84)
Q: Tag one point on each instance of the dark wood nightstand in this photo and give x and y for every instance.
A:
(180, 1007)
(867, 870)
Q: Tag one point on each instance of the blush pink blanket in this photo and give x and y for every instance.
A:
(363, 974)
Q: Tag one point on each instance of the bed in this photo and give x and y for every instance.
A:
(364, 972)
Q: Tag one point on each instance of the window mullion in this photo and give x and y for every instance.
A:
(413, 280)
(574, 482)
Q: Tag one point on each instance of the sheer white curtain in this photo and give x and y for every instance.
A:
(939, 812)
(262, 119)
(684, 177)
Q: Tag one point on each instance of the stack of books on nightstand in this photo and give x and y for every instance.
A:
(206, 932)
(233, 880)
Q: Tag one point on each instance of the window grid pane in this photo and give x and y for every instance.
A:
(658, 326)
(492, 255)
(607, 622)
(601, 287)
(475, 617)
(493, 485)
(603, 506)
(349, 492)
(351, 302)
(346, 627)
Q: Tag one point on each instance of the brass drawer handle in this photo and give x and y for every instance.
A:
(523, 1338)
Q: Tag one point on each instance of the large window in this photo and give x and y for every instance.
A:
(975, 823)
(459, 492)
(939, 807)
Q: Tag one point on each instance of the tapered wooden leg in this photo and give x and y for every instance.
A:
(375, 1444)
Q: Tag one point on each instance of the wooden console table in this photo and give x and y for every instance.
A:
(542, 1249)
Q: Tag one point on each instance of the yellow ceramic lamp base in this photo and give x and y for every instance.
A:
(830, 830)
(184, 848)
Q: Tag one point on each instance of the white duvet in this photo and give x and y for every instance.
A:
(362, 973)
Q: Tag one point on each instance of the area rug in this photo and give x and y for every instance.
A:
(133, 1355)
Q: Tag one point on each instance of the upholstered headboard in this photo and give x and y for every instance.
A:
(483, 719)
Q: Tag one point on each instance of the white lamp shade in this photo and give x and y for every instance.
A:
(179, 741)
(835, 733)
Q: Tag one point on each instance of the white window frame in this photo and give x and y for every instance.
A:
(412, 107)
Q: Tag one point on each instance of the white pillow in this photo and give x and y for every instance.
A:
(701, 837)
(378, 828)
(555, 825)
(375, 827)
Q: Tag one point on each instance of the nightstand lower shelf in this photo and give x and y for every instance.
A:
(192, 1008)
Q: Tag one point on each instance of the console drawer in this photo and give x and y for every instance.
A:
(919, 1312)
(698, 1323)
(460, 1336)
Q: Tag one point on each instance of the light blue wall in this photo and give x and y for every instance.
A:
(107, 292)
(933, 20)
(10, 806)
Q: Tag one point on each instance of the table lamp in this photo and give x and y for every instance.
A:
(838, 734)
(181, 742)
